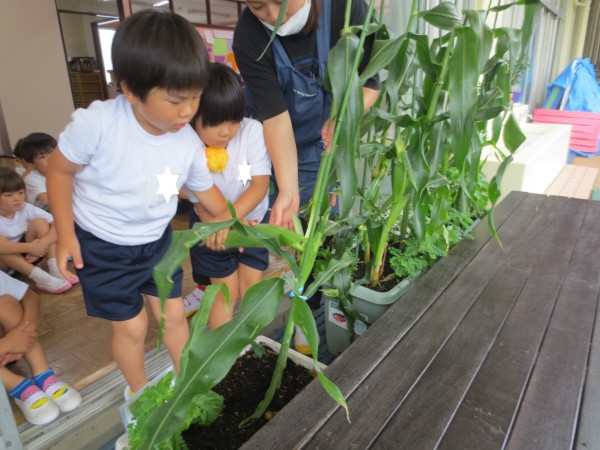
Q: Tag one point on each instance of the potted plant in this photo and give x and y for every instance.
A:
(429, 144)
(425, 135)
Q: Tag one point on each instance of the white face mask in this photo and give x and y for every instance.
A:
(294, 24)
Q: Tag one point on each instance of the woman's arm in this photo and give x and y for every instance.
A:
(281, 146)
(59, 180)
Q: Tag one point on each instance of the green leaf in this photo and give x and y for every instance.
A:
(333, 391)
(519, 2)
(382, 54)
(211, 357)
(513, 136)
(462, 104)
(444, 16)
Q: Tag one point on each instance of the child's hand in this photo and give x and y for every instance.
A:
(250, 223)
(7, 358)
(37, 249)
(21, 339)
(64, 249)
(216, 242)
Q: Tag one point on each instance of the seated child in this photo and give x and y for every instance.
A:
(27, 234)
(23, 168)
(34, 151)
(44, 396)
(237, 156)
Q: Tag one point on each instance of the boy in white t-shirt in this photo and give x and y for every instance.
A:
(241, 167)
(114, 180)
(34, 151)
(43, 396)
(27, 235)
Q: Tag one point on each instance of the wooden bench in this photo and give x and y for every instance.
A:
(494, 347)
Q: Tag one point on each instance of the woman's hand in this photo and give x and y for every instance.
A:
(284, 209)
(327, 134)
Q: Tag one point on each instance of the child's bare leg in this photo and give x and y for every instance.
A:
(177, 330)
(247, 276)
(12, 316)
(128, 349)
(9, 379)
(15, 261)
(42, 230)
(219, 313)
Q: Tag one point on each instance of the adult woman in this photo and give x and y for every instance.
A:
(286, 88)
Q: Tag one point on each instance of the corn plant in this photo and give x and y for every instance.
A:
(429, 123)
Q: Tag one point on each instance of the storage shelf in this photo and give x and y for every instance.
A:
(86, 87)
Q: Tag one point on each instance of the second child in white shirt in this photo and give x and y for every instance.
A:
(27, 234)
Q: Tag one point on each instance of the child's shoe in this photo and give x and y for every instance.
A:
(37, 407)
(63, 395)
(191, 302)
(46, 282)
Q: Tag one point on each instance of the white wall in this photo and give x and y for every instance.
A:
(77, 32)
(34, 83)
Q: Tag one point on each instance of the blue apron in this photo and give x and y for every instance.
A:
(308, 105)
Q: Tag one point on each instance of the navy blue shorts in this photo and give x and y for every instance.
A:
(220, 264)
(114, 276)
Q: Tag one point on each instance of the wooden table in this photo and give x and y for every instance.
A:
(494, 347)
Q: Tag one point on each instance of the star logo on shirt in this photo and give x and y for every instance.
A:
(244, 176)
(167, 184)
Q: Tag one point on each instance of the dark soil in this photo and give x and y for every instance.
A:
(387, 281)
(243, 389)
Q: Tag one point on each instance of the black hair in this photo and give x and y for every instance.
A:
(159, 49)
(33, 145)
(223, 98)
(10, 181)
(313, 16)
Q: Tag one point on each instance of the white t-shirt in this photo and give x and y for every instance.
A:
(247, 146)
(14, 229)
(35, 184)
(115, 191)
(11, 286)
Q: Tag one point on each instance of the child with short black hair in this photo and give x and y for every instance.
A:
(35, 150)
(237, 156)
(114, 180)
(43, 396)
(27, 235)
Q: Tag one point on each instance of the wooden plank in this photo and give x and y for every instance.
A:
(574, 181)
(432, 400)
(485, 415)
(561, 180)
(441, 388)
(548, 413)
(307, 413)
(586, 183)
(416, 352)
(586, 266)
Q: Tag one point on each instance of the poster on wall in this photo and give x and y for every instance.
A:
(218, 43)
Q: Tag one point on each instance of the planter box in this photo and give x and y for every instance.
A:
(536, 163)
(293, 355)
(370, 305)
